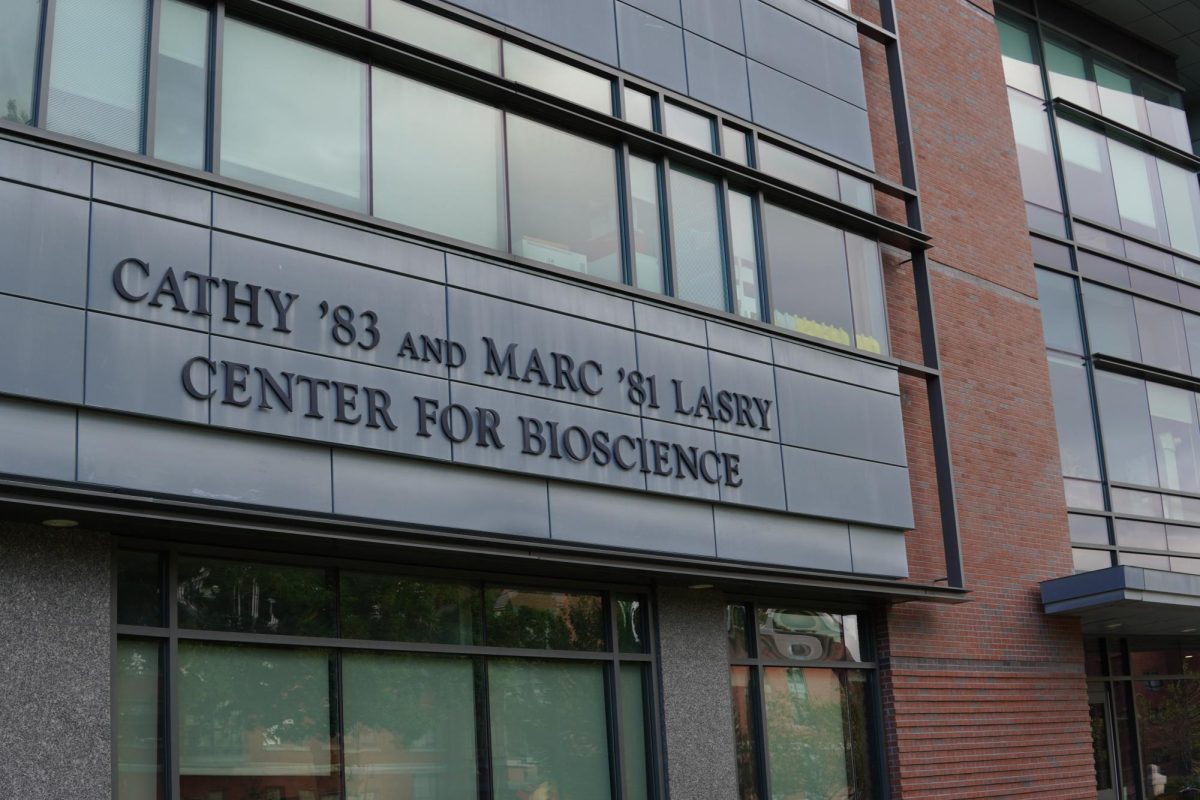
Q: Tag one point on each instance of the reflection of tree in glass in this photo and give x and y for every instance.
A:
(545, 620)
(402, 610)
(12, 114)
(816, 735)
(1170, 721)
(255, 598)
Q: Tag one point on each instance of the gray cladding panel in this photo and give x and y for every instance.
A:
(436, 495)
(673, 362)
(651, 48)
(761, 467)
(836, 417)
(716, 75)
(145, 192)
(679, 481)
(839, 368)
(826, 485)
(664, 9)
(759, 536)
(616, 519)
(44, 168)
(585, 26)
(42, 351)
(754, 381)
(202, 464)
(45, 244)
(38, 439)
(878, 552)
(717, 20)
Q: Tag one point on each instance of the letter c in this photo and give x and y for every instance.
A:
(119, 282)
(188, 385)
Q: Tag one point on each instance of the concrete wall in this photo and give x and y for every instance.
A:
(55, 648)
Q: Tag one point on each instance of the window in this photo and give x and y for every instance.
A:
(810, 292)
(1060, 314)
(799, 677)
(696, 235)
(688, 126)
(1073, 415)
(555, 77)
(181, 104)
(302, 137)
(1125, 422)
(1018, 53)
(350, 10)
(639, 108)
(437, 34)
(337, 684)
(1039, 177)
(647, 230)
(18, 58)
(744, 254)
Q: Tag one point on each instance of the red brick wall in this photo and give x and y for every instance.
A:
(985, 699)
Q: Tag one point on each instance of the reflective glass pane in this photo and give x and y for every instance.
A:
(391, 608)
(1125, 422)
(633, 731)
(1112, 326)
(735, 621)
(740, 679)
(1068, 75)
(1176, 437)
(632, 635)
(688, 126)
(410, 726)
(1088, 173)
(1060, 314)
(436, 160)
(797, 169)
(1117, 100)
(743, 255)
(139, 588)
(350, 10)
(733, 145)
(1161, 335)
(1183, 539)
(256, 720)
(1031, 128)
(549, 730)
(1073, 414)
(639, 108)
(810, 290)
(18, 58)
(1185, 509)
(98, 71)
(139, 720)
(306, 138)
(696, 233)
(1021, 70)
(856, 192)
(220, 595)
(866, 294)
(437, 34)
(1140, 535)
(1181, 200)
(544, 620)
(647, 225)
(1138, 198)
(1166, 724)
(1083, 494)
(557, 78)
(1139, 504)
(181, 104)
(1143, 560)
(818, 736)
(1088, 530)
(563, 199)
(1089, 560)
(798, 635)
(1168, 122)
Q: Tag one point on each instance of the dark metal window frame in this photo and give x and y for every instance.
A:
(169, 635)
(757, 665)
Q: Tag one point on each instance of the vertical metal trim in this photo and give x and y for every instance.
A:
(368, 178)
(625, 221)
(150, 106)
(612, 688)
(877, 734)
(170, 673)
(727, 254)
(114, 665)
(337, 710)
(215, 82)
(45, 55)
(655, 712)
(760, 241)
(483, 707)
(670, 276)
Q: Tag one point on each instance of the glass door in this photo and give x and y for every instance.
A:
(1102, 742)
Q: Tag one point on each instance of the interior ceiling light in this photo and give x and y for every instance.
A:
(59, 523)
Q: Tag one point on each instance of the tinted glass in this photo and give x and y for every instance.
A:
(1068, 74)
(555, 77)
(544, 620)
(1165, 711)
(856, 192)
(866, 294)
(735, 620)
(1073, 415)
(1125, 421)
(1088, 174)
(647, 225)
(306, 138)
(1060, 314)
(437, 161)
(743, 255)
(1140, 535)
(818, 739)
(1161, 335)
(98, 71)
(549, 730)
(633, 731)
(631, 625)
(1181, 200)
(1088, 560)
(1112, 326)
(1186, 509)
(350, 10)
(1083, 494)
(1183, 540)
(410, 726)
(743, 732)
(639, 108)
(810, 290)
(1017, 47)
(797, 169)
(563, 199)
(255, 598)
(139, 720)
(733, 145)
(181, 105)
(1176, 437)
(139, 589)
(688, 126)
(1117, 100)
(1031, 127)
(696, 234)
(390, 608)
(1140, 504)
(1144, 560)
(437, 34)
(807, 636)
(1191, 332)
(1138, 197)
(1088, 530)
(18, 58)
(254, 717)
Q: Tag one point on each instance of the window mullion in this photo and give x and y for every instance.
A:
(150, 106)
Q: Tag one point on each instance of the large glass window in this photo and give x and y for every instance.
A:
(1125, 422)
(1060, 313)
(437, 160)
(1073, 415)
(332, 683)
(563, 199)
(696, 235)
(18, 58)
(98, 71)
(1035, 158)
(647, 225)
(810, 292)
(803, 681)
(181, 104)
(743, 255)
(436, 33)
(307, 137)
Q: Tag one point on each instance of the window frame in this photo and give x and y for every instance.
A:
(169, 635)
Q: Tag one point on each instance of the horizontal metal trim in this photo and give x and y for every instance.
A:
(1168, 152)
(102, 509)
(818, 664)
(1138, 370)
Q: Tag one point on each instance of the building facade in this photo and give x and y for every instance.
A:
(573, 399)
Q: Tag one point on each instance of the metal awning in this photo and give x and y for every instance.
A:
(1127, 601)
